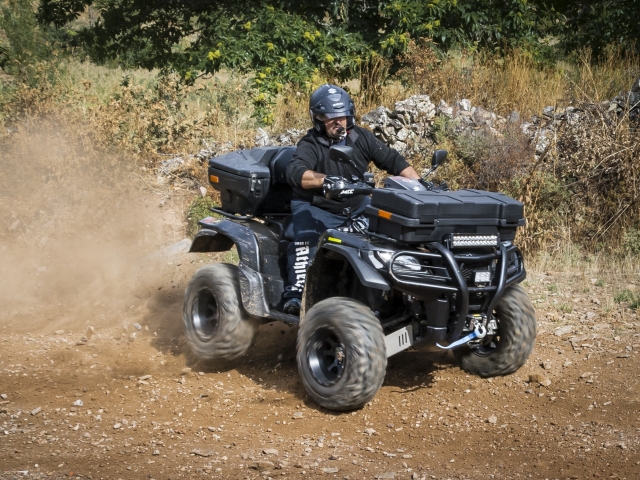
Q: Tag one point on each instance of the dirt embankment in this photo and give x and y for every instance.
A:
(79, 247)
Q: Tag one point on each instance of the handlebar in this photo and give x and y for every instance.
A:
(348, 189)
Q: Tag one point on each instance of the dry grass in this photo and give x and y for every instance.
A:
(516, 81)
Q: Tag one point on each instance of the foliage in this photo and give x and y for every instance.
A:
(292, 41)
(632, 299)
(199, 209)
(597, 24)
(22, 43)
(631, 241)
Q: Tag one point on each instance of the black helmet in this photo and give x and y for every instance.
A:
(330, 101)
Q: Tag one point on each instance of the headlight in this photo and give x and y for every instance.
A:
(474, 241)
(407, 262)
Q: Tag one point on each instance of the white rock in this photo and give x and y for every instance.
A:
(465, 105)
(370, 431)
(78, 403)
(178, 248)
(492, 419)
(563, 330)
(270, 451)
(36, 411)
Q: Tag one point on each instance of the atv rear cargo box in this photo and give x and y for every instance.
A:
(252, 182)
(420, 217)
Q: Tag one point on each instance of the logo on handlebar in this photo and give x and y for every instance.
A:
(346, 192)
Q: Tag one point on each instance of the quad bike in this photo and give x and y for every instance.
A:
(426, 266)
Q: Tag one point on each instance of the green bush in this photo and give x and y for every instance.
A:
(199, 209)
(630, 298)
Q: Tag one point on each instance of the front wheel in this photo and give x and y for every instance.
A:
(509, 349)
(216, 325)
(341, 354)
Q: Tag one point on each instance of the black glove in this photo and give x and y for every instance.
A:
(333, 183)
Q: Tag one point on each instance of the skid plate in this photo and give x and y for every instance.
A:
(399, 340)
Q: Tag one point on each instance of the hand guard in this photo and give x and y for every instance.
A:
(333, 183)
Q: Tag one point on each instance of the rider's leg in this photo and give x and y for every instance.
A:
(309, 223)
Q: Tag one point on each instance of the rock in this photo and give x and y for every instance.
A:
(590, 315)
(89, 333)
(78, 403)
(137, 326)
(568, 363)
(563, 330)
(36, 411)
(586, 374)
(386, 476)
(547, 364)
(536, 378)
(145, 377)
(3, 396)
(156, 452)
(377, 116)
(282, 464)
(548, 111)
(514, 117)
(297, 415)
(59, 332)
(545, 383)
(262, 138)
(117, 425)
(262, 465)
(203, 191)
(492, 420)
(201, 453)
(465, 105)
(178, 248)
(185, 371)
(330, 470)
(270, 451)
(370, 431)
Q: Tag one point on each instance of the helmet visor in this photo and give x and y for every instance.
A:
(328, 116)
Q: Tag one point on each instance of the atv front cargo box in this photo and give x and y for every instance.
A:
(252, 182)
(419, 217)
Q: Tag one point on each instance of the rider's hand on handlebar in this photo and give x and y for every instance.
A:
(333, 183)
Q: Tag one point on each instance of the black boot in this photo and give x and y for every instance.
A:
(292, 306)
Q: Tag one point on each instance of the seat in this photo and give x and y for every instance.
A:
(278, 165)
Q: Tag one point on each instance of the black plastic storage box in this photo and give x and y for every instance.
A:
(252, 182)
(419, 217)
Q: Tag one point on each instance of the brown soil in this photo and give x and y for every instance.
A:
(130, 402)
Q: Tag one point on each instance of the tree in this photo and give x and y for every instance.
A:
(288, 41)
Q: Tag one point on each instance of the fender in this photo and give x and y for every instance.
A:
(220, 235)
(367, 275)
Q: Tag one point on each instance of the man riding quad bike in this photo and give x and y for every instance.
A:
(366, 273)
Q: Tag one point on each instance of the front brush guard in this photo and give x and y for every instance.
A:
(458, 285)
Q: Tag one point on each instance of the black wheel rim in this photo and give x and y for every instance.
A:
(488, 347)
(326, 356)
(205, 315)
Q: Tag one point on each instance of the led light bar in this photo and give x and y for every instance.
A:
(474, 241)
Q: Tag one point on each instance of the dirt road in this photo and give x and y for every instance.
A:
(130, 403)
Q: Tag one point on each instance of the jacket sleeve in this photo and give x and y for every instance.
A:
(305, 158)
(384, 157)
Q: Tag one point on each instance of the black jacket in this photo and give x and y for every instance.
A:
(312, 153)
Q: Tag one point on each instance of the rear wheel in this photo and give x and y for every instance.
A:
(507, 351)
(215, 324)
(341, 353)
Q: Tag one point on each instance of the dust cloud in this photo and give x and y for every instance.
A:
(78, 230)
